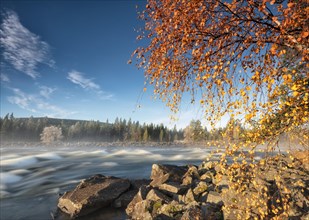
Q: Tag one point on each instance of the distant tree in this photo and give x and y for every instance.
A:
(145, 135)
(51, 134)
(161, 135)
(194, 131)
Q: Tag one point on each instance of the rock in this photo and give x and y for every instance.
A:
(172, 209)
(219, 168)
(200, 188)
(136, 184)
(207, 165)
(189, 197)
(207, 177)
(191, 174)
(193, 213)
(193, 171)
(140, 196)
(215, 198)
(163, 173)
(172, 187)
(221, 181)
(160, 180)
(212, 212)
(142, 211)
(203, 197)
(124, 200)
(155, 195)
(127, 197)
(187, 180)
(92, 194)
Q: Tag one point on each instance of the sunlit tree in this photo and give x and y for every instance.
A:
(230, 51)
(51, 134)
(233, 57)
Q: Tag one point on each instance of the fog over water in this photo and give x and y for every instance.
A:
(31, 178)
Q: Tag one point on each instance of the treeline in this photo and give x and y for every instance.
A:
(30, 129)
(195, 132)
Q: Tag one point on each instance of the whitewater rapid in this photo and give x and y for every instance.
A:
(32, 178)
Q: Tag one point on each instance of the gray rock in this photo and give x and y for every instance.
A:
(92, 194)
(155, 195)
(187, 180)
(207, 165)
(189, 197)
(172, 187)
(127, 197)
(221, 182)
(136, 184)
(140, 196)
(124, 200)
(172, 209)
(215, 198)
(163, 173)
(207, 177)
(193, 213)
(200, 188)
(142, 211)
(211, 212)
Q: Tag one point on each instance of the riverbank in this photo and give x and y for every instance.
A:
(275, 187)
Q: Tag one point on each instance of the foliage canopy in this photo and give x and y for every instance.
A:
(238, 54)
(244, 58)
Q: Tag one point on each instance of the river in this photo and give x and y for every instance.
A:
(32, 178)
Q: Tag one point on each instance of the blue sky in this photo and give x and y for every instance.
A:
(68, 59)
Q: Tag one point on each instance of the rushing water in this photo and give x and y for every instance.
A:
(31, 178)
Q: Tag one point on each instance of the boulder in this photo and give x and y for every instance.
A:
(140, 196)
(215, 198)
(173, 188)
(207, 177)
(200, 188)
(141, 210)
(123, 200)
(161, 173)
(189, 197)
(207, 165)
(193, 213)
(156, 195)
(91, 194)
(172, 209)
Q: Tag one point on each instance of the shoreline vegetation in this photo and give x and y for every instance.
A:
(284, 144)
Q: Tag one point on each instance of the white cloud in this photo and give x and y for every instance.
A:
(88, 84)
(23, 100)
(46, 91)
(22, 48)
(36, 104)
(78, 78)
(4, 78)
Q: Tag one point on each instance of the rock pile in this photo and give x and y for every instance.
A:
(198, 192)
(188, 192)
(203, 192)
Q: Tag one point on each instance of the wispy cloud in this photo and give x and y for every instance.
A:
(23, 100)
(87, 84)
(37, 104)
(46, 91)
(4, 78)
(22, 48)
(79, 79)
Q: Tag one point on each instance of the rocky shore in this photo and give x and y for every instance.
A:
(198, 192)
